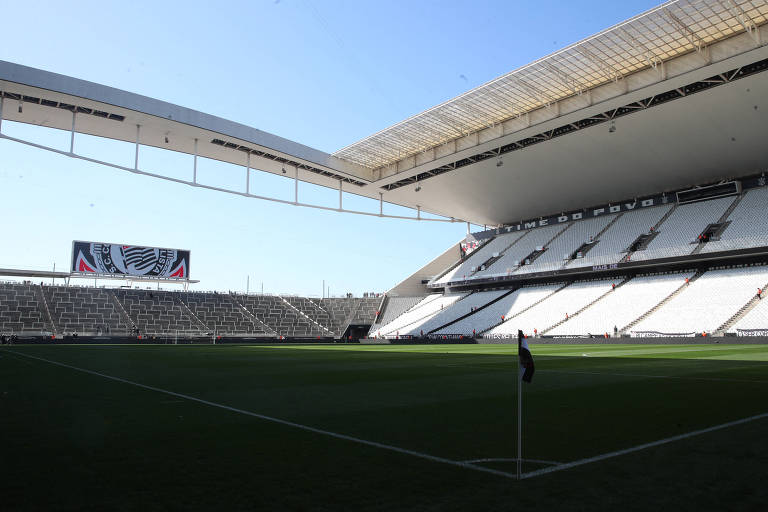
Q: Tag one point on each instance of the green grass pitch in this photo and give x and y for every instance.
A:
(79, 441)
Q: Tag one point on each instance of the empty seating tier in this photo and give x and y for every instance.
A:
(554, 309)
(507, 307)
(84, 310)
(618, 309)
(20, 310)
(706, 303)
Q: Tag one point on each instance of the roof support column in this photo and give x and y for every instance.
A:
(136, 156)
(2, 98)
(72, 133)
(340, 208)
(418, 212)
(248, 174)
(381, 204)
(194, 166)
(296, 186)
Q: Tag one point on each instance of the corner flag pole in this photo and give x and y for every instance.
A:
(519, 419)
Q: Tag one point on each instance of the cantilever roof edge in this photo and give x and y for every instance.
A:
(33, 77)
(648, 39)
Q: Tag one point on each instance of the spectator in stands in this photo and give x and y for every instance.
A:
(474, 333)
(613, 286)
(759, 293)
(615, 331)
(535, 332)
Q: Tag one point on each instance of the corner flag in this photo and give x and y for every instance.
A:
(526, 359)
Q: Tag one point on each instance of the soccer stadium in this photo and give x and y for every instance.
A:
(616, 208)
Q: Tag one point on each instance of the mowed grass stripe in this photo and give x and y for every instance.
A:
(308, 428)
(456, 402)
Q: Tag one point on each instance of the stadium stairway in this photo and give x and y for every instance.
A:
(622, 283)
(380, 309)
(479, 308)
(502, 253)
(741, 313)
(121, 309)
(43, 302)
(258, 325)
(546, 246)
(723, 219)
(429, 313)
(311, 310)
(596, 238)
(325, 331)
(351, 318)
(655, 229)
(666, 299)
(200, 324)
(480, 334)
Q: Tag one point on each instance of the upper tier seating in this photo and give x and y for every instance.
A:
(84, 310)
(618, 309)
(480, 256)
(20, 309)
(554, 309)
(508, 306)
(617, 238)
(707, 303)
(518, 252)
(567, 243)
(454, 311)
(749, 224)
(678, 235)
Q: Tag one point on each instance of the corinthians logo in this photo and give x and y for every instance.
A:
(100, 258)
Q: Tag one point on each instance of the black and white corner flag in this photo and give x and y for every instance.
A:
(526, 359)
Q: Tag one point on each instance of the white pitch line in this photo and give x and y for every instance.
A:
(307, 428)
(535, 461)
(683, 377)
(637, 448)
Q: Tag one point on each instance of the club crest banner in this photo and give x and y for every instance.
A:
(129, 260)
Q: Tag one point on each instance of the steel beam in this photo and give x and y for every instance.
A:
(685, 30)
(136, 155)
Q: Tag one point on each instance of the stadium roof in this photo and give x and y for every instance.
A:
(685, 84)
(647, 40)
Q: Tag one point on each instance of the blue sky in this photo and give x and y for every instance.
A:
(323, 73)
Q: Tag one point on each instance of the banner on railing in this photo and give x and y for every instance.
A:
(752, 332)
(656, 334)
(98, 258)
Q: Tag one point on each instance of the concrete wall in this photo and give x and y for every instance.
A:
(412, 284)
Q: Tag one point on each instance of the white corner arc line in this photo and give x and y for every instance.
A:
(307, 428)
(493, 459)
(637, 448)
